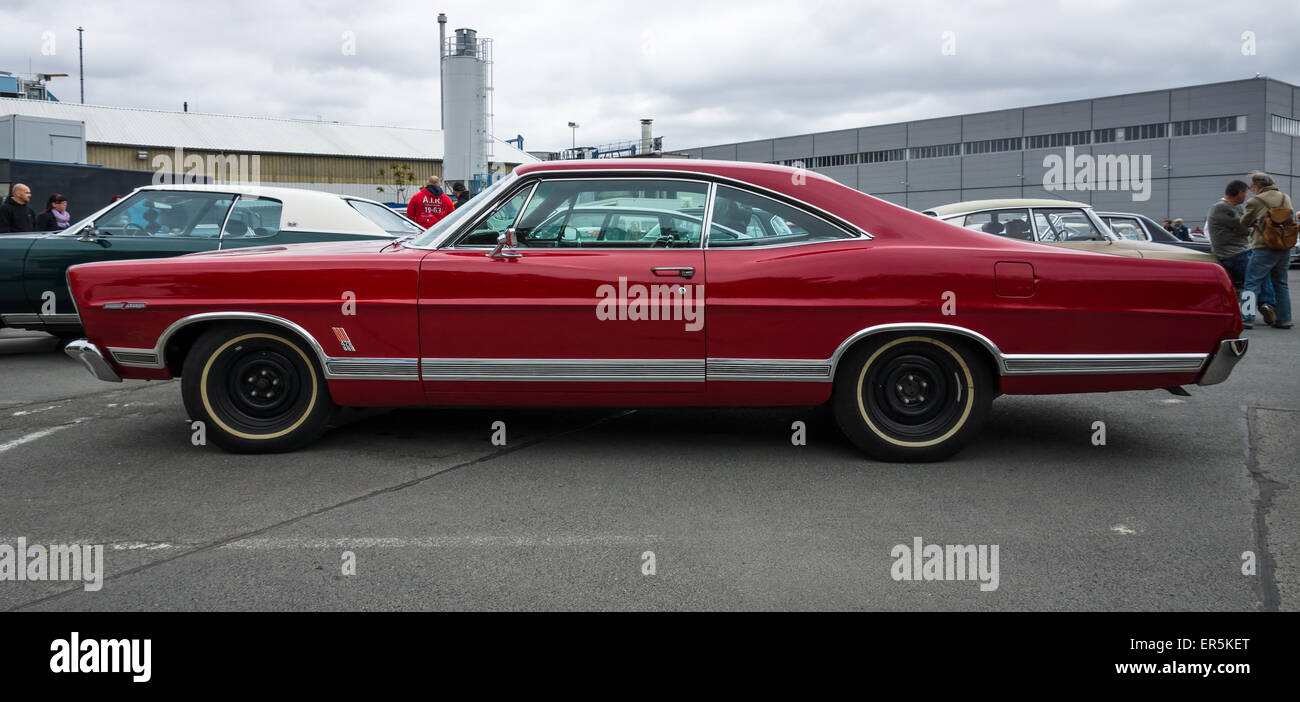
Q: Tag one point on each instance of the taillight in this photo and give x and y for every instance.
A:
(1231, 304)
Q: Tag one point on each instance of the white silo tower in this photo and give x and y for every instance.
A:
(466, 105)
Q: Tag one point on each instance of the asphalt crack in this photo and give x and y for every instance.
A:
(212, 546)
(1266, 584)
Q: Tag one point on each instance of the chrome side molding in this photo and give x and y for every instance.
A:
(564, 370)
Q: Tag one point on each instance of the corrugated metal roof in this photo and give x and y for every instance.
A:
(138, 127)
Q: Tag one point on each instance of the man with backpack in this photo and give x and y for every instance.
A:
(1271, 217)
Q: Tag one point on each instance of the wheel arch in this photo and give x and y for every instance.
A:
(987, 351)
(175, 342)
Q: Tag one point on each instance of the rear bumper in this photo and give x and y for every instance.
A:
(89, 354)
(1222, 362)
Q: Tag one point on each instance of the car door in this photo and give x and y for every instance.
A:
(776, 287)
(579, 305)
(148, 224)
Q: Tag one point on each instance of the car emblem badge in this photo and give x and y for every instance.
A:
(344, 341)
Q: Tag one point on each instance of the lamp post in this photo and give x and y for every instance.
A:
(81, 64)
(574, 127)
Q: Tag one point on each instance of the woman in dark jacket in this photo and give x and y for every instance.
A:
(55, 217)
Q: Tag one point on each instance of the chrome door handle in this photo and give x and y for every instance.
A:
(683, 271)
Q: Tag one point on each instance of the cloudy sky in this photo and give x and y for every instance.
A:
(708, 72)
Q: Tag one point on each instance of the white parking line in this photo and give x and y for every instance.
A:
(471, 540)
(465, 540)
(24, 413)
(30, 437)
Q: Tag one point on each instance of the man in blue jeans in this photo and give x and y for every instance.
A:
(1266, 263)
(1230, 240)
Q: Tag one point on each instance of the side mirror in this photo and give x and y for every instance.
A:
(505, 240)
(88, 234)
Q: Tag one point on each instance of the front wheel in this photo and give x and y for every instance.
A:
(256, 389)
(912, 398)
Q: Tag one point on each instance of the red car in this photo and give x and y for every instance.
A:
(657, 283)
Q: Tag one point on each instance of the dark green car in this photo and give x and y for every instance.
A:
(170, 220)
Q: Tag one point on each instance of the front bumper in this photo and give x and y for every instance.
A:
(1221, 363)
(89, 354)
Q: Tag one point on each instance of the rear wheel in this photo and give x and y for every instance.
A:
(256, 389)
(912, 398)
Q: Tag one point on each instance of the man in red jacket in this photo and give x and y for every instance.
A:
(429, 204)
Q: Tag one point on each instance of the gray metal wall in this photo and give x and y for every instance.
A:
(1188, 173)
(42, 139)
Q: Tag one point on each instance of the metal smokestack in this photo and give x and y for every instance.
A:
(647, 141)
(442, 93)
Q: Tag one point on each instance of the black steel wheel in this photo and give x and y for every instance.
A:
(257, 389)
(912, 398)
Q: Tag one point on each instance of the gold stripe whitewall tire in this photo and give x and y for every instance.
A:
(256, 389)
(913, 397)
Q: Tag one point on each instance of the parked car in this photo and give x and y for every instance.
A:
(908, 326)
(1136, 227)
(1058, 223)
(170, 220)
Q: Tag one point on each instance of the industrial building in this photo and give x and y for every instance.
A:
(1195, 138)
(329, 156)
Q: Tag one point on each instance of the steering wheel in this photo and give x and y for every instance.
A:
(126, 230)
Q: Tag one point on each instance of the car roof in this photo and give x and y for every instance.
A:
(977, 205)
(749, 172)
(304, 210)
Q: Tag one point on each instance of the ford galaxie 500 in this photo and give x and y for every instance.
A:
(770, 286)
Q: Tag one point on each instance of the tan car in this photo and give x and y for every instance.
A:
(1058, 223)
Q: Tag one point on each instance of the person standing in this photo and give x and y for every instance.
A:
(1169, 226)
(1230, 239)
(1180, 230)
(15, 214)
(1271, 217)
(461, 192)
(429, 204)
(56, 216)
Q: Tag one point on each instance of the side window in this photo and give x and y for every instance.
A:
(743, 218)
(623, 213)
(1065, 225)
(1013, 224)
(485, 233)
(167, 213)
(1126, 228)
(253, 218)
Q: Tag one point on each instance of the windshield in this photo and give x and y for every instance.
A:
(433, 235)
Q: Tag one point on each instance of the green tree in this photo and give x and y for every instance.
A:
(402, 177)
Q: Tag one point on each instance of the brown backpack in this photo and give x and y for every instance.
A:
(1280, 229)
